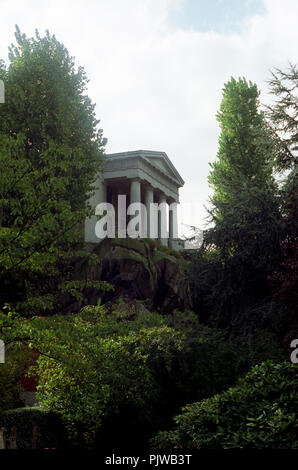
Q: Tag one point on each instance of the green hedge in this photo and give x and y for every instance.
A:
(261, 411)
(50, 431)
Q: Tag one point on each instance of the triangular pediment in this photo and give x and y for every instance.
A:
(158, 160)
(162, 165)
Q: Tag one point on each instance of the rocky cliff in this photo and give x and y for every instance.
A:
(138, 269)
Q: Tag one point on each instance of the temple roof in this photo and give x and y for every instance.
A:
(158, 160)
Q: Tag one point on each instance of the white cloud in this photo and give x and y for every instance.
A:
(157, 86)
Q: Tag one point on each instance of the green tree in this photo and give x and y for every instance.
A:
(118, 370)
(244, 158)
(283, 115)
(245, 208)
(97, 364)
(50, 151)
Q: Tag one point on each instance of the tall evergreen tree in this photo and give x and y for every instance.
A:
(244, 157)
(245, 208)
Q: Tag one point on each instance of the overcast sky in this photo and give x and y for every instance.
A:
(157, 68)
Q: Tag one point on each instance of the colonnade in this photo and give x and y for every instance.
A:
(161, 210)
(156, 221)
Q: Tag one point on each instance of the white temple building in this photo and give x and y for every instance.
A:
(145, 177)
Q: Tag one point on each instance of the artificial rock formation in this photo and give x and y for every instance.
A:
(138, 270)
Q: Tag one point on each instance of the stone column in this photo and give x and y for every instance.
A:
(162, 220)
(173, 222)
(135, 191)
(135, 198)
(99, 196)
(151, 222)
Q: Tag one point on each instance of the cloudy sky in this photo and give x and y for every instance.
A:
(157, 68)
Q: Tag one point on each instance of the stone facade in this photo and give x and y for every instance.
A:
(142, 176)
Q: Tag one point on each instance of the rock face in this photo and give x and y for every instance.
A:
(139, 270)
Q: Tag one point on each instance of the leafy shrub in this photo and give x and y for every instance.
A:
(128, 365)
(49, 430)
(260, 412)
(94, 363)
(119, 369)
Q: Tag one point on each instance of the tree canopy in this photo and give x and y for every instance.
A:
(245, 207)
(50, 152)
(244, 158)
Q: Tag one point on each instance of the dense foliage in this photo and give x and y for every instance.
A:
(253, 217)
(116, 367)
(260, 412)
(50, 151)
(245, 148)
(245, 210)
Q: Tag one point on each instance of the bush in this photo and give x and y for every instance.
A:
(49, 431)
(260, 412)
(103, 369)
(119, 369)
(96, 363)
